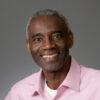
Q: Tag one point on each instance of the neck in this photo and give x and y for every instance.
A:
(54, 79)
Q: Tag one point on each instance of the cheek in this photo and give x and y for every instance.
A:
(62, 44)
(34, 47)
(35, 56)
(35, 51)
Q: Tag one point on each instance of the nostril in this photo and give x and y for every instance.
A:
(48, 45)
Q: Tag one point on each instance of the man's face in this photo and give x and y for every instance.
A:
(48, 42)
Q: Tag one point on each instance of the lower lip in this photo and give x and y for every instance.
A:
(50, 58)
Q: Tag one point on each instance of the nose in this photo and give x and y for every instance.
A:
(48, 44)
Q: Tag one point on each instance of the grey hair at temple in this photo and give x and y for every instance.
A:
(47, 12)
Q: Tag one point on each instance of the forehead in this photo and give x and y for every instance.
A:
(44, 23)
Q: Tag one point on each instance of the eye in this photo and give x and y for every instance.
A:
(37, 39)
(57, 36)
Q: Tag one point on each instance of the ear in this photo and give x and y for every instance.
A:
(28, 46)
(70, 40)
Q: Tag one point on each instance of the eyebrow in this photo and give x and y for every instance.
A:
(56, 31)
(39, 34)
(35, 35)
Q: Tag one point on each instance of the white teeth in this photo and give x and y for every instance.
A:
(49, 56)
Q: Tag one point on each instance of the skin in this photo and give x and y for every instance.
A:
(49, 44)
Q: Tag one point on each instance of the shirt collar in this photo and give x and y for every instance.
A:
(73, 79)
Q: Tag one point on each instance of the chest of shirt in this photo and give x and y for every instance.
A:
(66, 95)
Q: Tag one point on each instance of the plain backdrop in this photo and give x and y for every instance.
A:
(16, 63)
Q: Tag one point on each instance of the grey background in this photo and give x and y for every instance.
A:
(16, 63)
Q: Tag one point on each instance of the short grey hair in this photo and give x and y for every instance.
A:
(47, 12)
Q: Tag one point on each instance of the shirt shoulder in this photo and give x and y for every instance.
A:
(23, 87)
(28, 81)
(90, 77)
(90, 72)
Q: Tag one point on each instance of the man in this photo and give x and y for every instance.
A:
(49, 39)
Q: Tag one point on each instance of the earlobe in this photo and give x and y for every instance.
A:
(28, 46)
(70, 40)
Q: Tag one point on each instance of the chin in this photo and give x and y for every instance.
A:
(52, 68)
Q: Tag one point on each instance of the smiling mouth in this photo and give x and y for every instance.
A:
(50, 57)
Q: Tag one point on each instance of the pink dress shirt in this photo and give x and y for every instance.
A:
(81, 83)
